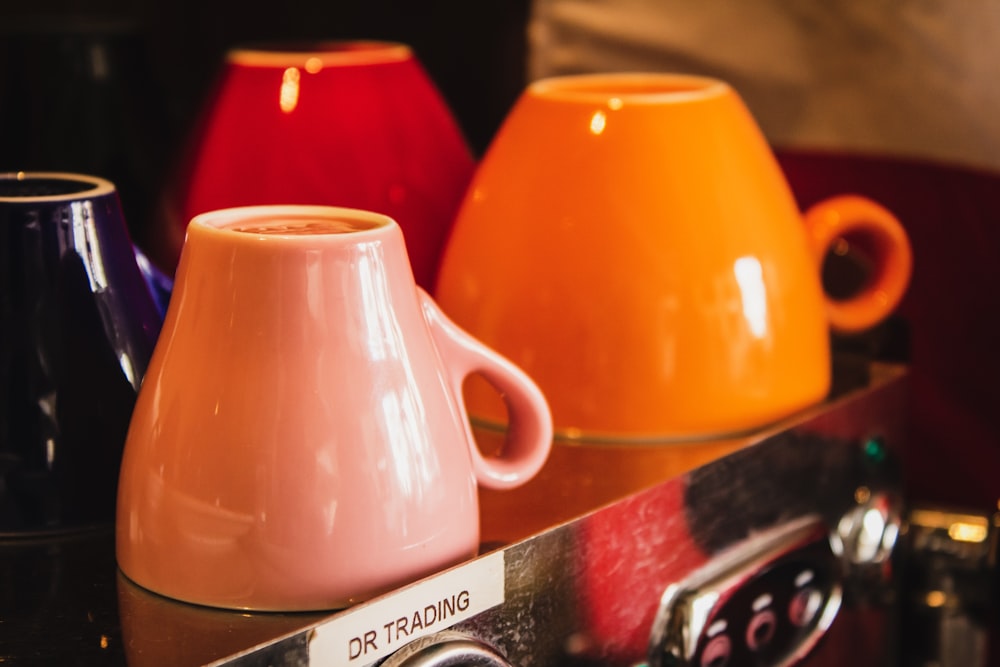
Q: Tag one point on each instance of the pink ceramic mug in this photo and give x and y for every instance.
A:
(300, 440)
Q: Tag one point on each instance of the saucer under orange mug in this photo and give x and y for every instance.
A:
(630, 241)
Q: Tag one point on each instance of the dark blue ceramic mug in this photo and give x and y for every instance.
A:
(78, 322)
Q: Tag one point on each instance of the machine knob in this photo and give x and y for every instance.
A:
(866, 536)
(447, 649)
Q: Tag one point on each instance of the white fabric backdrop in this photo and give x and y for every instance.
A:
(917, 78)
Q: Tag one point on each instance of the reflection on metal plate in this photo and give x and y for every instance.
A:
(788, 538)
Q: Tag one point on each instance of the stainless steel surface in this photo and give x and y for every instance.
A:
(587, 592)
(583, 590)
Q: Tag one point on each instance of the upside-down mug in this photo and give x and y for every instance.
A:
(78, 324)
(348, 123)
(300, 441)
(629, 240)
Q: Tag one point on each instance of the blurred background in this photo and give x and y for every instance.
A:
(475, 52)
(889, 100)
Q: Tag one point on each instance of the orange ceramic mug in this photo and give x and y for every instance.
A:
(630, 241)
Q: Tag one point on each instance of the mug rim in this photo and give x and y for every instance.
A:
(97, 186)
(604, 88)
(220, 221)
(313, 56)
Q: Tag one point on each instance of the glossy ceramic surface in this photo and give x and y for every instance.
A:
(300, 440)
(160, 285)
(79, 326)
(356, 124)
(630, 241)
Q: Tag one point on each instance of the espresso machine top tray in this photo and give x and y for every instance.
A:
(785, 539)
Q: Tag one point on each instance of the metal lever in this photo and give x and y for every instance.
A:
(767, 600)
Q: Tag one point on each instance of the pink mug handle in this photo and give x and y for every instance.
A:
(529, 434)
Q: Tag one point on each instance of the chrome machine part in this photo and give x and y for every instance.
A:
(446, 649)
(782, 539)
(767, 600)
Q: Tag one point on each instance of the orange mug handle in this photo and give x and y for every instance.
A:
(880, 237)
